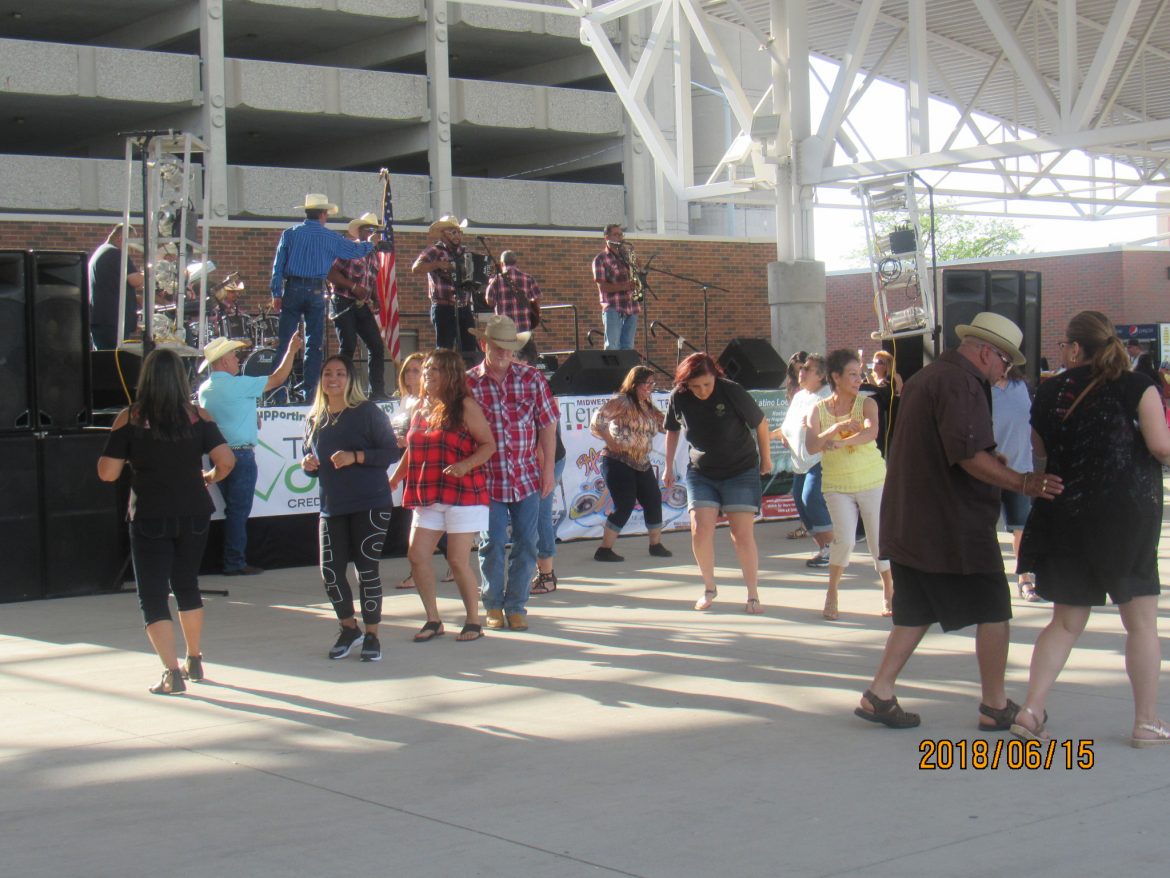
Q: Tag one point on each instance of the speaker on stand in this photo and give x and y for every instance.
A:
(590, 372)
(753, 364)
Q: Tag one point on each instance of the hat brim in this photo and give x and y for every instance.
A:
(440, 226)
(230, 349)
(992, 338)
(330, 209)
(506, 344)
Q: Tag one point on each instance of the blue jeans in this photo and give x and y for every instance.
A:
(546, 534)
(453, 327)
(304, 299)
(810, 502)
(238, 489)
(506, 578)
(619, 329)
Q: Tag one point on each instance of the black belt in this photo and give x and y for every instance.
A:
(309, 281)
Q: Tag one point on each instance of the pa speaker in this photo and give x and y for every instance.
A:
(587, 372)
(15, 402)
(1030, 310)
(964, 296)
(753, 364)
(58, 287)
(20, 518)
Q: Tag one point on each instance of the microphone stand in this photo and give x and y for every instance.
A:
(703, 286)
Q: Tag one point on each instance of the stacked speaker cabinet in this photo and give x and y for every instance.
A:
(1011, 294)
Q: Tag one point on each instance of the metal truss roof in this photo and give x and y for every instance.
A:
(1037, 85)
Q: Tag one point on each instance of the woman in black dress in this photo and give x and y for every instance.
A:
(1104, 434)
(164, 437)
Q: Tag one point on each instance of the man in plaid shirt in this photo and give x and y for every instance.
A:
(450, 308)
(354, 283)
(523, 416)
(611, 272)
(510, 292)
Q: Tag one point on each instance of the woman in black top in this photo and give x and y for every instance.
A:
(349, 445)
(164, 437)
(1104, 433)
(730, 449)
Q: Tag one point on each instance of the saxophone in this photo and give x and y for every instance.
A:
(636, 273)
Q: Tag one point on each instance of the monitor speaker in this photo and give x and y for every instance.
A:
(587, 372)
(753, 364)
(964, 296)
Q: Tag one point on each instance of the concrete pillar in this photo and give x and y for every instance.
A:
(796, 300)
(214, 121)
(439, 100)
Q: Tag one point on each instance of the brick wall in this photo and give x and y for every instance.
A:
(561, 264)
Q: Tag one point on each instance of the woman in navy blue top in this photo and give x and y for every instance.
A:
(349, 446)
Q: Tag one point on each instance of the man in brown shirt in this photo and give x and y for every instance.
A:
(938, 519)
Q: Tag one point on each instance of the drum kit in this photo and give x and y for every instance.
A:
(260, 332)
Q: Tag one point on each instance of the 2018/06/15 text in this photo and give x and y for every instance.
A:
(945, 754)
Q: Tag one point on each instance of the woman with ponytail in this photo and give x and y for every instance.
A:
(1102, 429)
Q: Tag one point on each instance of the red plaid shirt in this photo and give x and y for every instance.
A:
(609, 268)
(362, 271)
(517, 410)
(429, 453)
(440, 284)
(511, 298)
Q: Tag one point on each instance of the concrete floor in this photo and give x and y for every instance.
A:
(624, 734)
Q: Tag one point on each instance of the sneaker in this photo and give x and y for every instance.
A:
(193, 669)
(604, 554)
(346, 641)
(660, 551)
(371, 648)
(170, 684)
(820, 559)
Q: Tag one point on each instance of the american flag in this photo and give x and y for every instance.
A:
(388, 274)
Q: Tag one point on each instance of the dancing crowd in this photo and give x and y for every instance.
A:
(928, 467)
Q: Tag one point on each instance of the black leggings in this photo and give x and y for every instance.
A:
(167, 553)
(354, 538)
(627, 486)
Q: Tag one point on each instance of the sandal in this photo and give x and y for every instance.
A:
(887, 712)
(1003, 716)
(830, 611)
(429, 631)
(1160, 731)
(753, 607)
(708, 598)
(1026, 734)
(544, 583)
(799, 534)
(406, 583)
(469, 628)
(1027, 588)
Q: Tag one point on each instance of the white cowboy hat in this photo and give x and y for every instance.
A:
(997, 331)
(218, 348)
(500, 330)
(366, 219)
(446, 222)
(317, 201)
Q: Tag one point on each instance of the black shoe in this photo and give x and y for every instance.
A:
(346, 641)
(371, 648)
(170, 684)
(246, 570)
(660, 551)
(820, 559)
(193, 669)
(604, 554)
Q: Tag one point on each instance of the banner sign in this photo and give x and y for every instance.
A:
(581, 501)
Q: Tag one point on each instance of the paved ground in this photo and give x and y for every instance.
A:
(625, 734)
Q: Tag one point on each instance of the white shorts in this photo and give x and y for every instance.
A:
(452, 519)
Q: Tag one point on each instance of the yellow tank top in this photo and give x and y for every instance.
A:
(854, 468)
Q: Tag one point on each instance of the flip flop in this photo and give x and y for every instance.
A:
(429, 631)
(753, 607)
(705, 602)
(406, 583)
(470, 628)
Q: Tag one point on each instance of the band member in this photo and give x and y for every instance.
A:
(230, 398)
(105, 271)
(611, 272)
(303, 259)
(450, 306)
(354, 283)
(513, 293)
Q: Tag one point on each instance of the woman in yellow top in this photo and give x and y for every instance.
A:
(843, 428)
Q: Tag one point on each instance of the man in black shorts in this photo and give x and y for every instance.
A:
(938, 521)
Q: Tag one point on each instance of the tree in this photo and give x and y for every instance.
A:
(960, 235)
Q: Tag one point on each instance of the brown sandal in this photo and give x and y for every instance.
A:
(799, 534)
(887, 712)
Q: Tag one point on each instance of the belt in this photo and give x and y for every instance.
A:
(307, 281)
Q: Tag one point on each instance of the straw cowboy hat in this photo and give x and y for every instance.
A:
(996, 331)
(367, 219)
(218, 348)
(446, 222)
(317, 201)
(500, 330)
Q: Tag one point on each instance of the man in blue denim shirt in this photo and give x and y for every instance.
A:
(231, 399)
(303, 259)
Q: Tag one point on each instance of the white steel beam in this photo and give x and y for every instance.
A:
(1135, 56)
(918, 81)
(1106, 56)
(854, 51)
(1029, 77)
(1066, 17)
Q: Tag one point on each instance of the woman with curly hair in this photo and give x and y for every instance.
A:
(448, 442)
(1102, 429)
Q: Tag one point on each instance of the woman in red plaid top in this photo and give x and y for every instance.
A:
(448, 441)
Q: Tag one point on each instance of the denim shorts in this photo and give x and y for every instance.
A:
(1015, 509)
(738, 493)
